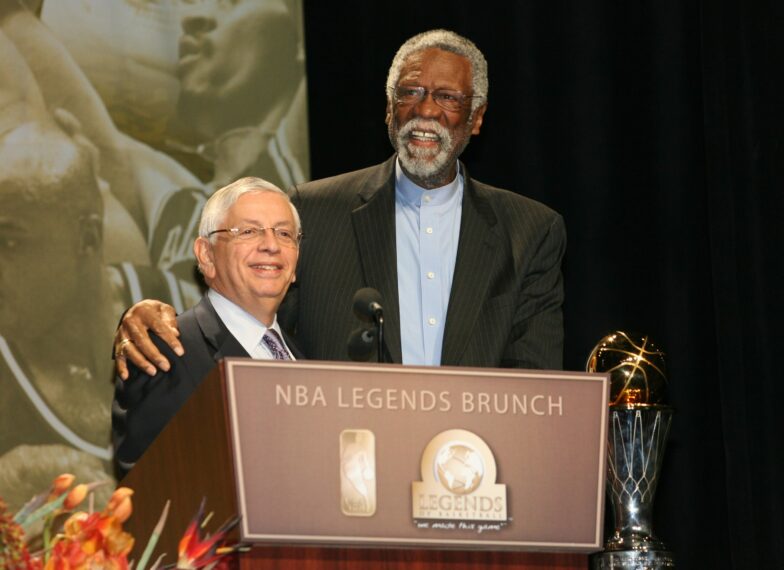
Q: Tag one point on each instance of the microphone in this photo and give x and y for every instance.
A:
(367, 304)
(361, 342)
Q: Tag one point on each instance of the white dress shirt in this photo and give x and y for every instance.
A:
(245, 327)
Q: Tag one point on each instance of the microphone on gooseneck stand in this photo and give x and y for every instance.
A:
(360, 344)
(368, 307)
(367, 304)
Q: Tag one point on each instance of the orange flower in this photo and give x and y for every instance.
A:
(91, 541)
(120, 494)
(120, 504)
(123, 510)
(61, 484)
(195, 552)
(75, 496)
(13, 550)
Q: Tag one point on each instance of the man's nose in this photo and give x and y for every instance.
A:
(268, 241)
(427, 106)
(195, 24)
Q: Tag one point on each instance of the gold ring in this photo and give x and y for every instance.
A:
(123, 343)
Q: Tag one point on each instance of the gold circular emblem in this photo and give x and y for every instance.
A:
(459, 468)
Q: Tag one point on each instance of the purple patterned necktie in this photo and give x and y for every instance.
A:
(273, 341)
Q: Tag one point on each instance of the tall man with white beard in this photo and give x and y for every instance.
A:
(470, 274)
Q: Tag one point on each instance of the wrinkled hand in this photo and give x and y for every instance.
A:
(132, 339)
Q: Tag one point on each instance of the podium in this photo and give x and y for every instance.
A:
(357, 466)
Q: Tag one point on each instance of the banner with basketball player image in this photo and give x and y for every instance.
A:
(118, 118)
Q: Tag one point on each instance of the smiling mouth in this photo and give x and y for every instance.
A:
(266, 267)
(424, 136)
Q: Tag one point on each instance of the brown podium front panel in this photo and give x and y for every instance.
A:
(409, 467)
(307, 558)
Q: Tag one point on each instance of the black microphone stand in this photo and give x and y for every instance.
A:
(379, 320)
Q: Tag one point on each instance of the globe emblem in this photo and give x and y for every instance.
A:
(459, 468)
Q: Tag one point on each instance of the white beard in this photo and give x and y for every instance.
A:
(424, 163)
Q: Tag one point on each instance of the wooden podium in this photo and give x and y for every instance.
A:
(209, 448)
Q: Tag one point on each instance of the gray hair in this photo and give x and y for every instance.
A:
(447, 41)
(218, 205)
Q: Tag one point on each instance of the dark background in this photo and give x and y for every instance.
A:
(655, 128)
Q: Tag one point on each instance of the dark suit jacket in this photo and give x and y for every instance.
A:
(507, 291)
(144, 404)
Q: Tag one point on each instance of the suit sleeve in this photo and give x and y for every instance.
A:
(536, 337)
(142, 407)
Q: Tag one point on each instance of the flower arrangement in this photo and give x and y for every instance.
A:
(95, 540)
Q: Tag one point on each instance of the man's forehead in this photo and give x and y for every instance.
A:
(263, 204)
(264, 219)
(457, 65)
(260, 194)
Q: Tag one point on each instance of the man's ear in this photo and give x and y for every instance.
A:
(294, 273)
(90, 235)
(202, 249)
(388, 118)
(479, 116)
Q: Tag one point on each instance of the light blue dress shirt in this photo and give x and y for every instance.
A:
(245, 327)
(427, 228)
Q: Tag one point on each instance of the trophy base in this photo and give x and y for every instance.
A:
(632, 560)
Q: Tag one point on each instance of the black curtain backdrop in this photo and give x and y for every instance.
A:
(655, 128)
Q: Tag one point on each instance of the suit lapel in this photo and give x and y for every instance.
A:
(293, 348)
(215, 332)
(473, 270)
(374, 229)
(221, 341)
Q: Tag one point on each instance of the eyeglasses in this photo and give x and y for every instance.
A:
(284, 236)
(445, 98)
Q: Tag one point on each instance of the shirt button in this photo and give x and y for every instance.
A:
(427, 199)
(432, 321)
(431, 275)
(429, 230)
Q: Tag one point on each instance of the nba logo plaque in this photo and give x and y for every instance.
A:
(458, 483)
(357, 473)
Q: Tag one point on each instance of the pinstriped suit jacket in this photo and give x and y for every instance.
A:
(507, 291)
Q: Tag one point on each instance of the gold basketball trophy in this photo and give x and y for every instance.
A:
(639, 422)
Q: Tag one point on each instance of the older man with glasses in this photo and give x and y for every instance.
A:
(247, 250)
(470, 274)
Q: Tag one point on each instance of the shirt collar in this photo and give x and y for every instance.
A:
(242, 325)
(411, 193)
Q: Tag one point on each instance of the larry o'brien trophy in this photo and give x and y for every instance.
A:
(639, 422)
